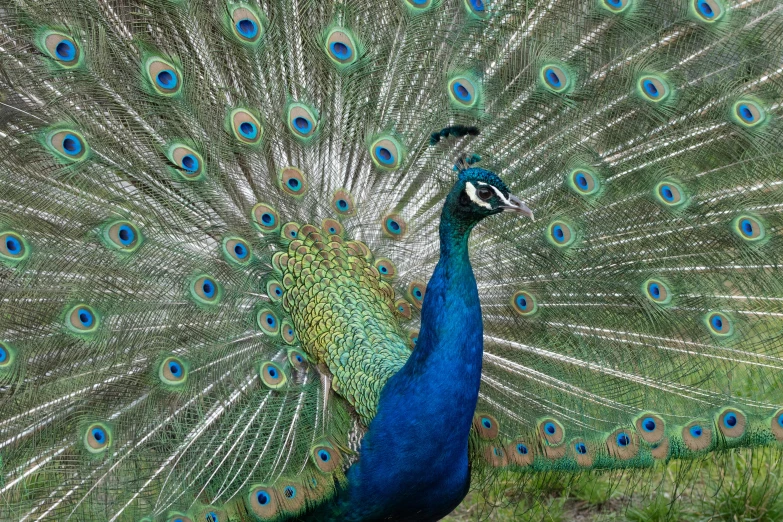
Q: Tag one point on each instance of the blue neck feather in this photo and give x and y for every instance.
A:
(414, 458)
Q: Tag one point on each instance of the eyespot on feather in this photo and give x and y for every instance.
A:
(318, 488)
(332, 227)
(287, 331)
(342, 203)
(297, 359)
(325, 457)
(731, 423)
(173, 372)
(268, 322)
(622, 444)
(289, 232)
(245, 126)
(13, 248)
(560, 234)
(486, 426)
(653, 88)
(418, 6)
(551, 431)
(7, 357)
(615, 6)
(524, 303)
(292, 496)
(657, 291)
(520, 452)
(292, 181)
(748, 113)
(413, 338)
(82, 319)
(246, 25)
(274, 290)
(464, 92)
(205, 290)
(341, 47)
(402, 308)
(582, 452)
(386, 268)
(697, 436)
(719, 324)
(97, 438)
(211, 514)
(650, 427)
(236, 250)
(272, 375)
(556, 78)
(265, 218)
(495, 455)
(584, 182)
(776, 424)
(749, 228)
(386, 153)
(302, 121)
(67, 144)
(189, 163)
(122, 236)
(670, 194)
(415, 293)
(164, 77)
(262, 502)
(476, 8)
(62, 48)
(708, 11)
(394, 226)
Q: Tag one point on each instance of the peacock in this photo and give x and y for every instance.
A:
(346, 260)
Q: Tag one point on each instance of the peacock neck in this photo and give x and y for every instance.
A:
(414, 458)
(446, 363)
(451, 302)
(454, 242)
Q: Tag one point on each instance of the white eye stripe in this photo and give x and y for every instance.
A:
(503, 198)
(470, 189)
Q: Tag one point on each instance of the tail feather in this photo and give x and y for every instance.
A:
(645, 136)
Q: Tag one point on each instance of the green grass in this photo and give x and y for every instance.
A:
(737, 486)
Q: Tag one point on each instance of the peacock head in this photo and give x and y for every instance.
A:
(479, 193)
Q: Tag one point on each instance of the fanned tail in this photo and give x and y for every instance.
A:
(641, 321)
(158, 155)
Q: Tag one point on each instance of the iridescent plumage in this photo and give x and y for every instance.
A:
(226, 226)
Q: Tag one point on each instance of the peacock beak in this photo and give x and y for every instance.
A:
(516, 205)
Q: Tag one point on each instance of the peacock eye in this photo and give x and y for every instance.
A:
(484, 193)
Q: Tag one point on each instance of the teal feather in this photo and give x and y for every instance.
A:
(218, 220)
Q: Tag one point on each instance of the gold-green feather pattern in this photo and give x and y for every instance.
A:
(343, 312)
